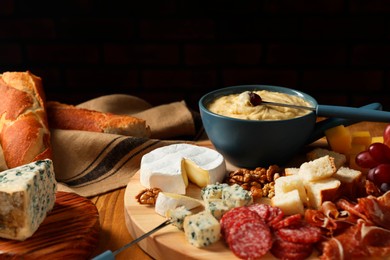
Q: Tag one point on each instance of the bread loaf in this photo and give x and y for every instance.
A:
(24, 131)
(69, 117)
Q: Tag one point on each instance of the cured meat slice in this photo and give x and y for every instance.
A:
(288, 221)
(288, 250)
(358, 241)
(250, 239)
(234, 215)
(271, 215)
(302, 233)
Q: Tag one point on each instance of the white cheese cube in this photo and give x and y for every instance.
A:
(236, 196)
(27, 193)
(216, 207)
(177, 216)
(171, 167)
(202, 229)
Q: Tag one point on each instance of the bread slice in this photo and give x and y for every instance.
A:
(291, 171)
(290, 203)
(285, 184)
(68, 117)
(339, 159)
(349, 179)
(322, 190)
(317, 169)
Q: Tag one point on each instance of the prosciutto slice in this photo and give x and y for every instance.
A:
(369, 236)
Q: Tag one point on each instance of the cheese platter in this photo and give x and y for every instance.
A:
(170, 241)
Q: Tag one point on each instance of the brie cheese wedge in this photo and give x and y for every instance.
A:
(172, 167)
(169, 201)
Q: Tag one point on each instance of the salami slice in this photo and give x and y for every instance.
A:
(268, 213)
(288, 250)
(250, 239)
(302, 233)
(236, 215)
(288, 221)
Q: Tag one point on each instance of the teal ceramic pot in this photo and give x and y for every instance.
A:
(254, 143)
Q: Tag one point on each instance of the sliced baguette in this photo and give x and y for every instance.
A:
(317, 169)
(349, 179)
(290, 203)
(285, 184)
(339, 159)
(322, 190)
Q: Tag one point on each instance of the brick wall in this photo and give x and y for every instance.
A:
(169, 50)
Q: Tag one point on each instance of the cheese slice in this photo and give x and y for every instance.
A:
(171, 167)
(27, 193)
(169, 201)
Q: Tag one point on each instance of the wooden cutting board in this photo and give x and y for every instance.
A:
(70, 231)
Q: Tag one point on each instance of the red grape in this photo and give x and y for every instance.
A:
(386, 135)
(379, 152)
(385, 187)
(365, 160)
(381, 174)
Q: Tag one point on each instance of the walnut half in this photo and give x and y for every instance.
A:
(148, 196)
(259, 181)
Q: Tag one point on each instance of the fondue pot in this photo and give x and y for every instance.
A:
(254, 143)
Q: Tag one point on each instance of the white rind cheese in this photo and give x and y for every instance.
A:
(171, 167)
(168, 201)
(202, 229)
(27, 193)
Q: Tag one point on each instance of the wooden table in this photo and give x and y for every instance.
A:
(114, 233)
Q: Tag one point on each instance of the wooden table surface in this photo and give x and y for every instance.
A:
(114, 233)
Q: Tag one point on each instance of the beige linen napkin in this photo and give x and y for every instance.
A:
(91, 163)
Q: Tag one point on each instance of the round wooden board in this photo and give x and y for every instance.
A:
(169, 242)
(70, 231)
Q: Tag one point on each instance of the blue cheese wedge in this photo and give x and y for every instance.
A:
(172, 167)
(236, 196)
(202, 229)
(177, 216)
(216, 207)
(212, 191)
(27, 193)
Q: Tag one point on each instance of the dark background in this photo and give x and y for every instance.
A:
(170, 50)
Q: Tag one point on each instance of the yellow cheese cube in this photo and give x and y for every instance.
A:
(377, 139)
(339, 139)
(361, 137)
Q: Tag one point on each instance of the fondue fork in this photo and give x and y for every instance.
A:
(109, 255)
(332, 111)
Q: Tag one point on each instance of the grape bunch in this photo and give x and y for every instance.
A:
(377, 159)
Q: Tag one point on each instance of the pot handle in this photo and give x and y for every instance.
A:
(323, 125)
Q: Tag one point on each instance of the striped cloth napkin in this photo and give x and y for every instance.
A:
(90, 163)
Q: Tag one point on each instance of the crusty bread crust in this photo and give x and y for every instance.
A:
(69, 117)
(24, 132)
